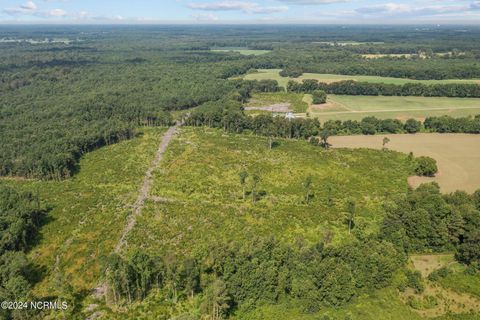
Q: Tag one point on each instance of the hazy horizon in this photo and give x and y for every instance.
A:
(464, 12)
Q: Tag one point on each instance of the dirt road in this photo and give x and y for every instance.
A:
(147, 185)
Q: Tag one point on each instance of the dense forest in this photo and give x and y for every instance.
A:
(21, 216)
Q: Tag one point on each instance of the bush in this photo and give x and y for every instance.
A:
(426, 166)
(319, 97)
(414, 281)
(438, 274)
(412, 126)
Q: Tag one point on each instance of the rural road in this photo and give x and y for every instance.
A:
(147, 185)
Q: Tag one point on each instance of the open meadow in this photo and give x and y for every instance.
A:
(340, 107)
(274, 74)
(458, 155)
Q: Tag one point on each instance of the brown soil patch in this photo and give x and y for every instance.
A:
(323, 106)
(448, 301)
(277, 107)
(426, 263)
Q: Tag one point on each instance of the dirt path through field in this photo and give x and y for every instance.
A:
(147, 185)
(101, 289)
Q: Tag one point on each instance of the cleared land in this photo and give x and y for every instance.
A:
(273, 74)
(457, 155)
(359, 107)
(89, 211)
(272, 101)
(203, 203)
(444, 296)
(245, 52)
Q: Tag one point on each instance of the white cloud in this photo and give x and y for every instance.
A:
(386, 8)
(29, 6)
(244, 6)
(57, 13)
(401, 10)
(312, 2)
(205, 17)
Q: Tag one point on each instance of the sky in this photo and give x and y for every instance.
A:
(241, 12)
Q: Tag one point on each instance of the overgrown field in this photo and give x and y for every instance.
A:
(273, 74)
(200, 197)
(88, 212)
(457, 155)
(358, 107)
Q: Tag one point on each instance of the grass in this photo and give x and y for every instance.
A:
(458, 293)
(203, 198)
(461, 282)
(456, 155)
(88, 211)
(297, 104)
(359, 107)
(273, 74)
(383, 304)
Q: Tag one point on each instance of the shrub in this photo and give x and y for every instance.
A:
(426, 166)
(412, 126)
(438, 274)
(319, 97)
(414, 281)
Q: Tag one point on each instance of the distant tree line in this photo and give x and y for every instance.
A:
(228, 115)
(350, 87)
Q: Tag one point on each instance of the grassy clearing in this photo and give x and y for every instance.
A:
(408, 55)
(456, 154)
(359, 107)
(458, 293)
(295, 100)
(427, 263)
(459, 281)
(263, 74)
(245, 52)
(383, 304)
(201, 196)
(88, 211)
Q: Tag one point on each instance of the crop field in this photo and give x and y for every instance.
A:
(358, 107)
(273, 74)
(457, 155)
(88, 211)
(199, 199)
